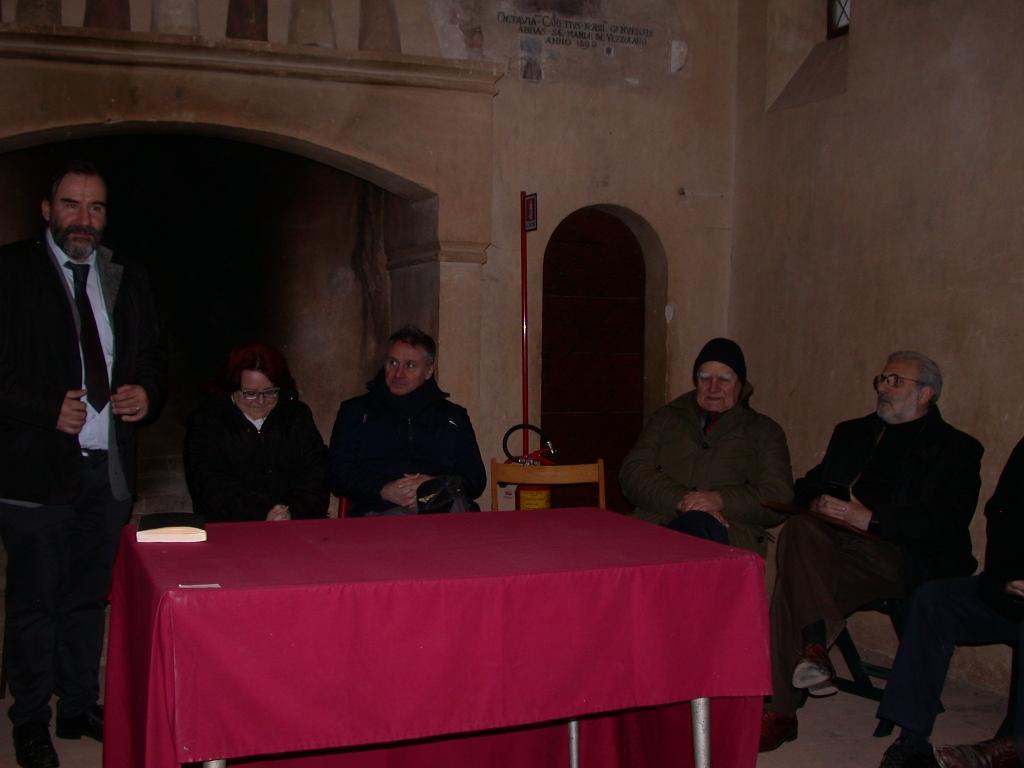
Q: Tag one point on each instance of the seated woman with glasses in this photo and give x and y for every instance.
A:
(252, 451)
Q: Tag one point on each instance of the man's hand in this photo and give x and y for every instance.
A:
(130, 402)
(1015, 588)
(72, 412)
(279, 512)
(851, 512)
(402, 492)
(704, 501)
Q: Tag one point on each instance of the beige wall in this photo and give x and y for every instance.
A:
(885, 216)
(627, 131)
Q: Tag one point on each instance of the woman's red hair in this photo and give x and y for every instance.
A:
(255, 356)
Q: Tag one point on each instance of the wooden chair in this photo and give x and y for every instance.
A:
(538, 474)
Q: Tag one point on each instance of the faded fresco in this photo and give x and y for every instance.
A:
(567, 40)
(572, 40)
(459, 28)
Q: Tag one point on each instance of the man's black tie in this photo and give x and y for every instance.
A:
(96, 381)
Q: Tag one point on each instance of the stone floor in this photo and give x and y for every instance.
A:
(837, 732)
(834, 732)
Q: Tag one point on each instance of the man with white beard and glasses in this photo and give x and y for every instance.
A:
(891, 503)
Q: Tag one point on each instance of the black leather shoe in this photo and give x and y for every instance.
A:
(33, 748)
(89, 723)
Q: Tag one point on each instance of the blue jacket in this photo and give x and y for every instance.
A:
(378, 437)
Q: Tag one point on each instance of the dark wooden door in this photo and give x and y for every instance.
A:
(592, 361)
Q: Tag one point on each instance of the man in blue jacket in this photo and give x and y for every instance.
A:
(401, 433)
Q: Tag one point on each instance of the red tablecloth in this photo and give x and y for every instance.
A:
(326, 634)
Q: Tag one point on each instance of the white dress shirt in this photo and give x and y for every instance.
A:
(95, 435)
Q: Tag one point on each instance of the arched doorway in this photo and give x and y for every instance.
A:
(592, 350)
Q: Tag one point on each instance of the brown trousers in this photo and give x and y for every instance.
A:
(824, 573)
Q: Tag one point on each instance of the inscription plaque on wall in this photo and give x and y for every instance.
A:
(578, 33)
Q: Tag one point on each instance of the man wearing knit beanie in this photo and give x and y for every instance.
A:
(705, 463)
(724, 351)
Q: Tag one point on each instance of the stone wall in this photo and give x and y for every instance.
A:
(878, 207)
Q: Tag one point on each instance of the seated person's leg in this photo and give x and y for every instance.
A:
(800, 599)
(943, 614)
(1007, 747)
(1016, 714)
(1013, 723)
(814, 672)
(702, 525)
(824, 573)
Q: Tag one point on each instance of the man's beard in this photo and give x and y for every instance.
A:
(76, 251)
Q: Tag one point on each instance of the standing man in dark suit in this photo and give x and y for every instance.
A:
(81, 365)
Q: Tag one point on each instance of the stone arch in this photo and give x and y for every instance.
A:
(417, 128)
(410, 209)
(383, 177)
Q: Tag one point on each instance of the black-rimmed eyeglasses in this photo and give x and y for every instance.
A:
(252, 395)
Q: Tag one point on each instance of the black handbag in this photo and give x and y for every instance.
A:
(441, 494)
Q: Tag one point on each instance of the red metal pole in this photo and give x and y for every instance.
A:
(526, 348)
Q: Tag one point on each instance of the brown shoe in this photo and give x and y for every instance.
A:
(997, 753)
(776, 730)
(814, 671)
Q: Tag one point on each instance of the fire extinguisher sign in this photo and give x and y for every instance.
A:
(530, 212)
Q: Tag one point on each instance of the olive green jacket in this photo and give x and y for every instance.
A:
(744, 457)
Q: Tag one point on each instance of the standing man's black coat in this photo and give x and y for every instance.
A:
(39, 363)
